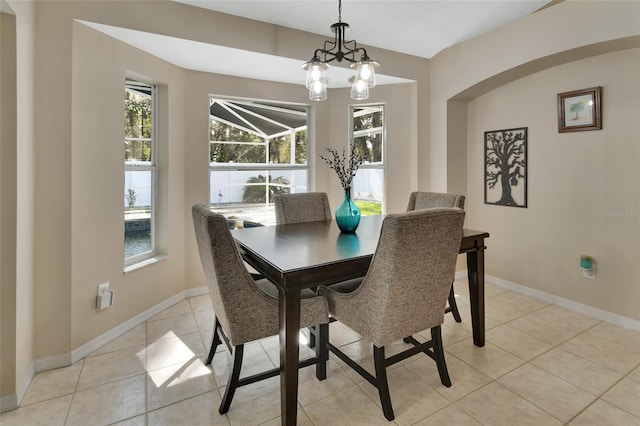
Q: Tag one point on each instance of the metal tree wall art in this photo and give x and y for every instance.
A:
(505, 167)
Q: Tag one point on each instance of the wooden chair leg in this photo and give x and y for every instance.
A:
(233, 380)
(322, 351)
(215, 341)
(312, 336)
(438, 351)
(453, 306)
(382, 384)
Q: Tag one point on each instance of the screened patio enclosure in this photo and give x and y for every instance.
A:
(257, 149)
(263, 118)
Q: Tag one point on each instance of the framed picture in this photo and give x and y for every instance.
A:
(505, 167)
(580, 110)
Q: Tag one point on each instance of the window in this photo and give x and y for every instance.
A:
(368, 136)
(257, 149)
(139, 171)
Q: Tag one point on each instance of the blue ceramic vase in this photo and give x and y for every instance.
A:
(348, 214)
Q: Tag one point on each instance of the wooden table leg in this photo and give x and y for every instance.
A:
(475, 274)
(289, 310)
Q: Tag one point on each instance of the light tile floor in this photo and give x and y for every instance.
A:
(541, 365)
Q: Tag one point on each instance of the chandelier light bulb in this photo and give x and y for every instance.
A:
(359, 90)
(318, 91)
(316, 72)
(365, 71)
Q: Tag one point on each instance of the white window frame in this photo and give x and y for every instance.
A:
(150, 166)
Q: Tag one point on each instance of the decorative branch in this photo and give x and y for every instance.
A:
(344, 167)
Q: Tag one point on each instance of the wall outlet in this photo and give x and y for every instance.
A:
(105, 296)
(589, 274)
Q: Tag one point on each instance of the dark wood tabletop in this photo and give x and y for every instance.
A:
(313, 253)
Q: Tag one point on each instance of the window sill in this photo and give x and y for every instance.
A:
(144, 263)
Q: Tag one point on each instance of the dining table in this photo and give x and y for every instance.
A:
(304, 255)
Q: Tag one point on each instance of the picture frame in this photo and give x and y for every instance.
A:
(580, 110)
(505, 167)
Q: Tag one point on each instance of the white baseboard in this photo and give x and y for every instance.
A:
(8, 403)
(600, 314)
(193, 292)
(11, 402)
(91, 346)
(51, 362)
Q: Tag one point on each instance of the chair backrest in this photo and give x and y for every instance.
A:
(238, 303)
(428, 200)
(407, 285)
(305, 207)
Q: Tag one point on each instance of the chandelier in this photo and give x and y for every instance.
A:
(340, 49)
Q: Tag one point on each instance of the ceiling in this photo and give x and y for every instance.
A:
(419, 27)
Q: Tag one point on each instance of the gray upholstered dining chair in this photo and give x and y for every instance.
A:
(304, 207)
(246, 309)
(428, 200)
(404, 292)
(298, 208)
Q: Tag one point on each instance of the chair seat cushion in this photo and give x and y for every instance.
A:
(268, 287)
(346, 286)
(272, 290)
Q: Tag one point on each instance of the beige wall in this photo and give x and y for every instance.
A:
(539, 247)
(52, 182)
(25, 244)
(567, 31)
(97, 179)
(70, 159)
(17, 346)
(8, 196)
(584, 187)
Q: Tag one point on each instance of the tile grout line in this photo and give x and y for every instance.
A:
(596, 397)
(217, 387)
(525, 363)
(608, 389)
(465, 411)
(146, 378)
(73, 395)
